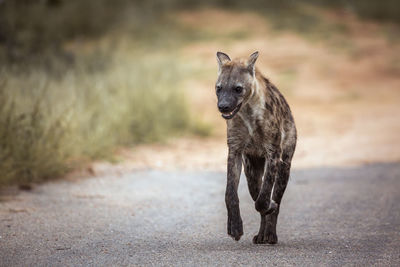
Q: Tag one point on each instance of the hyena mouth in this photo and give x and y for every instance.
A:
(229, 115)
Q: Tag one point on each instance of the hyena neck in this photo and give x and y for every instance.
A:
(258, 93)
(258, 89)
(252, 110)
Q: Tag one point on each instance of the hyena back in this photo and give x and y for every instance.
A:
(261, 135)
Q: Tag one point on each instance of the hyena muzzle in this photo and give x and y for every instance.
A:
(261, 135)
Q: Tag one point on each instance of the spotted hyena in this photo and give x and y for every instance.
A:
(261, 135)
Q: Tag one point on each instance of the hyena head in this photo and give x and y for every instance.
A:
(235, 83)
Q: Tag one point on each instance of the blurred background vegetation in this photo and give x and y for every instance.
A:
(81, 77)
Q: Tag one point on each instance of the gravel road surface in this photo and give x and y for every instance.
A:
(329, 216)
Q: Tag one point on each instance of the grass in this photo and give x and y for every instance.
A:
(72, 91)
(30, 140)
(49, 125)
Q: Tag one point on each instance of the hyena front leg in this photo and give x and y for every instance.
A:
(235, 226)
(264, 205)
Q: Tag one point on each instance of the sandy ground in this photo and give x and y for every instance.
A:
(344, 93)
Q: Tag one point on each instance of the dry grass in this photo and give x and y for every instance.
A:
(74, 90)
(49, 125)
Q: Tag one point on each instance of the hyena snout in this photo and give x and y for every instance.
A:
(225, 106)
(227, 102)
(228, 106)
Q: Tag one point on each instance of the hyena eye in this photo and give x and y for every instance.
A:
(239, 89)
(218, 88)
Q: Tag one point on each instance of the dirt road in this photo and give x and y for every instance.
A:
(329, 216)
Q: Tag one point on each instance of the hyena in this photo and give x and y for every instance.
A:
(261, 135)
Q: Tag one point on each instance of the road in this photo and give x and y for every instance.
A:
(329, 216)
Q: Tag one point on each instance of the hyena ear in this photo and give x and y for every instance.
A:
(252, 61)
(222, 58)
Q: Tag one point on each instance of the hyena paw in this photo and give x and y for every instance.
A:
(265, 238)
(265, 207)
(271, 238)
(235, 228)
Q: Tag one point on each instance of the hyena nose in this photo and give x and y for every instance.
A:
(223, 107)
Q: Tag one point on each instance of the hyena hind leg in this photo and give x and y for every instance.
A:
(281, 181)
(264, 204)
(254, 168)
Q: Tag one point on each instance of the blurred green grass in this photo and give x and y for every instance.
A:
(29, 27)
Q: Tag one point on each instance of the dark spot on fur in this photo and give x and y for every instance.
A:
(268, 107)
(259, 128)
